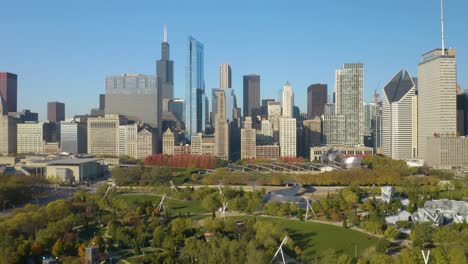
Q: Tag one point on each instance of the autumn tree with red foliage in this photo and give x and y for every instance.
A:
(184, 161)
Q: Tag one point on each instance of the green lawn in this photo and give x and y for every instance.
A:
(315, 238)
(175, 205)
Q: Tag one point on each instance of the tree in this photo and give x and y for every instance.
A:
(58, 248)
(392, 232)
(382, 245)
(158, 236)
(421, 235)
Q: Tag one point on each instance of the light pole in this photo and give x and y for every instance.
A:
(4, 204)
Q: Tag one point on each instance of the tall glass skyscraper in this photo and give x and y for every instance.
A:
(195, 89)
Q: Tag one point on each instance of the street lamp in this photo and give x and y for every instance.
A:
(4, 204)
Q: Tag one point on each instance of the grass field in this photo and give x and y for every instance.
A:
(175, 205)
(315, 238)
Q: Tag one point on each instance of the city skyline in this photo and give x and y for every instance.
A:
(381, 58)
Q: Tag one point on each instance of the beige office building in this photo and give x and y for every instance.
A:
(248, 140)
(168, 142)
(8, 133)
(145, 141)
(103, 135)
(221, 128)
(437, 97)
(268, 152)
(448, 152)
(197, 144)
(30, 138)
(287, 136)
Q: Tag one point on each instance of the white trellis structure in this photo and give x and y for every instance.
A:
(111, 187)
(280, 250)
(220, 190)
(223, 210)
(161, 204)
(173, 187)
(309, 207)
(426, 258)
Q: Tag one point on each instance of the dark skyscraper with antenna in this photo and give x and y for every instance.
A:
(165, 70)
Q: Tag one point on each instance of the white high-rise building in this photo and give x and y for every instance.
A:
(224, 76)
(287, 137)
(397, 116)
(288, 101)
(349, 101)
(437, 97)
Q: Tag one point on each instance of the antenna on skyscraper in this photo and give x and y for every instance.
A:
(442, 24)
(165, 34)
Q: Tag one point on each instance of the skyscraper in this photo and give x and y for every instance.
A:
(134, 96)
(288, 101)
(437, 98)
(221, 128)
(349, 101)
(251, 94)
(397, 116)
(165, 70)
(73, 137)
(288, 137)
(317, 95)
(8, 91)
(195, 89)
(248, 140)
(55, 111)
(225, 76)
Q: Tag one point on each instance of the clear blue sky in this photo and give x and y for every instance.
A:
(62, 50)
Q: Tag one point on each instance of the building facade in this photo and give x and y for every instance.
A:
(73, 137)
(165, 71)
(448, 152)
(312, 132)
(437, 98)
(195, 116)
(317, 152)
(333, 129)
(268, 152)
(248, 140)
(168, 142)
(225, 76)
(288, 101)
(397, 116)
(8, 91)
(317, 97)
(8, 133)
(55, 111)
(349, 101)
(251, 95)
(221, 128)
(31, 137)
(287, 136)
(145, 141)
(103, 135)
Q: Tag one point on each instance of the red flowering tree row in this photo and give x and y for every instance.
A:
(184, 161)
